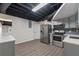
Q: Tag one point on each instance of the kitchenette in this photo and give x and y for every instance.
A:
(61, 32)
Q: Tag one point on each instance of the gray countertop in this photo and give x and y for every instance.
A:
(75, 41)
(6, 38)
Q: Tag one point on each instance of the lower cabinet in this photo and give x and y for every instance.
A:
(71, 49)
(7, 48)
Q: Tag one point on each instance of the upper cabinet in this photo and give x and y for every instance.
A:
(66, 23)
(78, 16)
(76, 20)
(72, 22)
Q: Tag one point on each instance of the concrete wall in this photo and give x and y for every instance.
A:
(20, 29)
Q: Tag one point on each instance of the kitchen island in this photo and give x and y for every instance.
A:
(71, 45)
(7, 46)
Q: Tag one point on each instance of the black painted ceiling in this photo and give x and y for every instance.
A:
(24, 10)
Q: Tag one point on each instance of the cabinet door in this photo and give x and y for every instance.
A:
(7, 48)
(66, 23)
(72, 22)
(76, 20)
(78, 17)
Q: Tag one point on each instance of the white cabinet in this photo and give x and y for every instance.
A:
(0, 31)
(72, 22)
(71, 45)
(78, 16)
(66, 23)
(71, 49)
(7, 48)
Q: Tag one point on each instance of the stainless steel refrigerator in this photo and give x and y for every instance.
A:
(45, 33)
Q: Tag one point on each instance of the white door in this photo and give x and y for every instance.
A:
(36, 30)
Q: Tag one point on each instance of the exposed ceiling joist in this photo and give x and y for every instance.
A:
(4, 7)
(24, 10)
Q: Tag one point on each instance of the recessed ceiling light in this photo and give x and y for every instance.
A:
(39, 6)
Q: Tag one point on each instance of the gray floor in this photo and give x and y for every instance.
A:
(36, 48)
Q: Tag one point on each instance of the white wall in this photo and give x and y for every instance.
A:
(21, 30)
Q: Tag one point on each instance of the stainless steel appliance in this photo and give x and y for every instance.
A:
(45, 33)
(58, 35)
(58, 40)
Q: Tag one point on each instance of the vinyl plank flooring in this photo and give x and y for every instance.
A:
(36, 48)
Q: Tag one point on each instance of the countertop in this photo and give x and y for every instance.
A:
(6, 38)
(71, 40)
